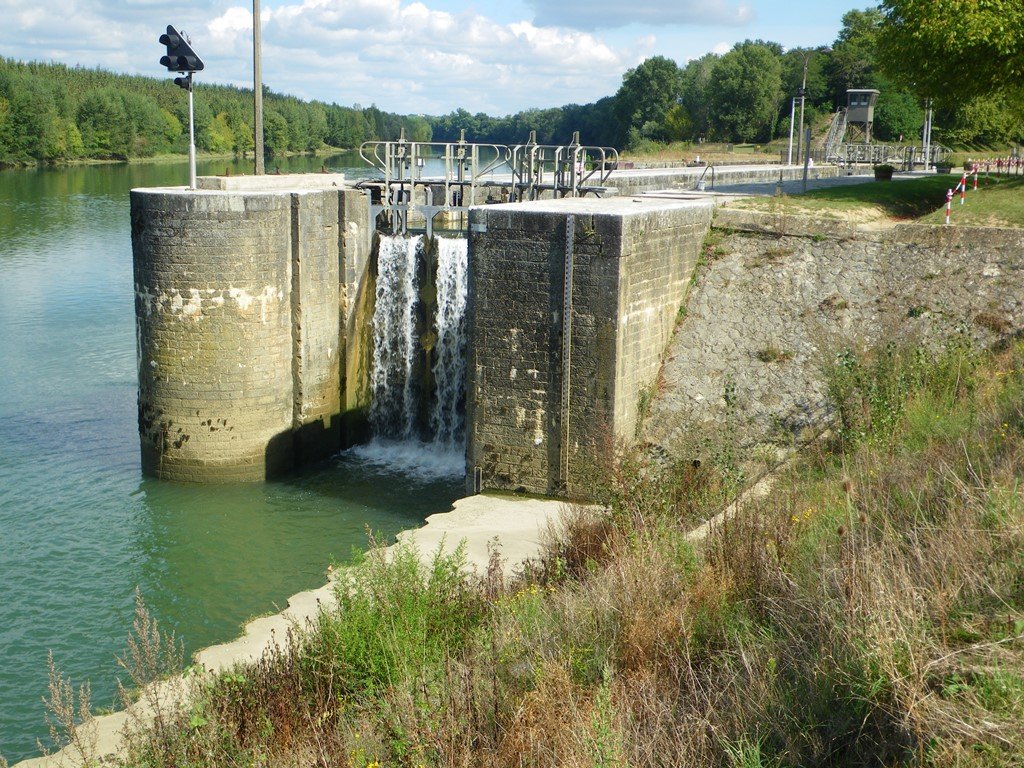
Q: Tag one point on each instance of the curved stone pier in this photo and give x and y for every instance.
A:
(241, 298)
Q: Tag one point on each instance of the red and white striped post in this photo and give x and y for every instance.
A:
(963, 188)
(949, 204)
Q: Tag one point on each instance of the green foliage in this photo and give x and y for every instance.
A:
(396, 621)
(746, 92)
(897, 114)
(871, 393)
(646, 95)
(956, 50)
(54, 113)
(853, 60)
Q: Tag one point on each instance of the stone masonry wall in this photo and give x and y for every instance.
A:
(242, 311)
(212, 287)
(315, 304)
(630, 273)
(778, 299)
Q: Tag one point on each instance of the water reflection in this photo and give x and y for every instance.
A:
(79, 527)
(213, 555)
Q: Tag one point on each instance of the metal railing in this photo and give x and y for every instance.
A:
(421, 180)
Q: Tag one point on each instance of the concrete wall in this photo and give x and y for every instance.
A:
(241, 314)
(635, 182)
(780, 297)
(631, 267)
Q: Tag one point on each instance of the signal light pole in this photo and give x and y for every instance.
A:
(182, 59)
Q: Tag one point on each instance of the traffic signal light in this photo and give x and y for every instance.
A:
(184, 82)
(180, 56)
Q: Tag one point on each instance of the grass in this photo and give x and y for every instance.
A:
(996, 203)
(869, 611)
(678, 152)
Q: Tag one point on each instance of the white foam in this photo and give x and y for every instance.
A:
(418, 460)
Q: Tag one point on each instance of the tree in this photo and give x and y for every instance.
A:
(104, 125)
(647, 92)
(854, 55)
(746, 91)
(956, 49)
(696, 81)
(897, 113)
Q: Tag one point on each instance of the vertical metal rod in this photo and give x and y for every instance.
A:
(570, 231)
(792, 121)
(191, 138)
(807, 155)
(257, 89)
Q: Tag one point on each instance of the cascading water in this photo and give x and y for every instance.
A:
(396, 376)
(393, 410)
(446, 416)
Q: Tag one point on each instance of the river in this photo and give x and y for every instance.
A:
(80, 528)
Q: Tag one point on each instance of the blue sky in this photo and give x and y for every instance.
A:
(427, 56)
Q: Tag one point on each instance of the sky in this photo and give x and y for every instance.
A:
(414, 57)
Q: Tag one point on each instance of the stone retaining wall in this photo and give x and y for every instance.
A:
(773, 305)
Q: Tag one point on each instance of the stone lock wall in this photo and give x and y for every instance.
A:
(631, 265)
(241, 318)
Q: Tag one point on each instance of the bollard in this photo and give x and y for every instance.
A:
(949, 204)
(963, 188)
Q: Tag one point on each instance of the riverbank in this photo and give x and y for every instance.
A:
(517, 526)
(866, 609)
(172, 159)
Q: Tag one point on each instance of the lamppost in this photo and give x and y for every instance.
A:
(802, 93)
(792, 125)
(257, 89)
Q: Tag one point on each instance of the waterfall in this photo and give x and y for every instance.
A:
(398, 415)
(446, 413)
(393, 410)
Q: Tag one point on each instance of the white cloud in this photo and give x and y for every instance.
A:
(403, 56)
(608, 14)
(721, 48)
(411, 58)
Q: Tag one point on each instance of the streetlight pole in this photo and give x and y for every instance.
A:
(257, 89)
(803, 98)
(926, 135)
(792, 125)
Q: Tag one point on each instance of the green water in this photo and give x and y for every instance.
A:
(79, 526)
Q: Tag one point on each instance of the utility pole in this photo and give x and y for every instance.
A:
(926, 135)
(257, 89)
(792, 125)
(803, 99)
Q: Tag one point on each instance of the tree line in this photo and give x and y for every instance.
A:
(54, 113)
(57, 113)
(745, 95)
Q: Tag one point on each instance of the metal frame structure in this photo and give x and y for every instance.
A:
(564, 171)
(405, 195)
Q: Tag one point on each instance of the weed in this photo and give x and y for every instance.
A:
(773, 354)
(68, 715)
(994, 322)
